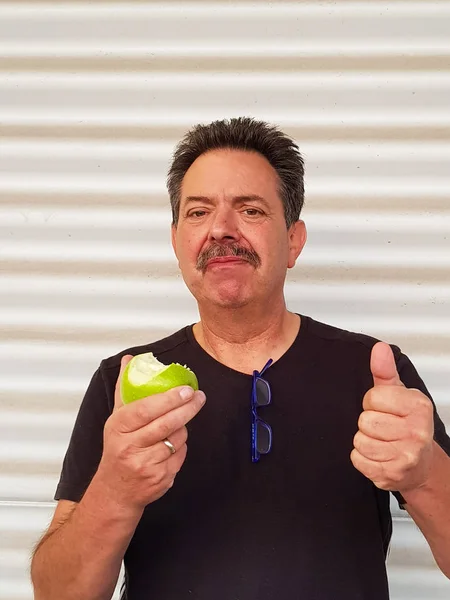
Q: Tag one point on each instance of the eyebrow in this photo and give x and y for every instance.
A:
(204, 199)
(236, 199)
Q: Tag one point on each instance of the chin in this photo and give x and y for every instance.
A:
(223, 296)
(224, 300)
(230, 303)
(230, 295)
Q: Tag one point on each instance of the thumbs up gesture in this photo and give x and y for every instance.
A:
(394, 444)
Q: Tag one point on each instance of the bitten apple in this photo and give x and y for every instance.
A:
(145, 375)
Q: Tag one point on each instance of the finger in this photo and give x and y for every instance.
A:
(383, 367)
(175, 462)
(173, 466)
(142, 412)
(152, 426)
(117, 395)
(373, 470)
(163, 427)
(382, 426)
(161, 452)
(374, 449)
(393, 400)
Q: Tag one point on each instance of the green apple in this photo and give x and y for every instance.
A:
(145, 375)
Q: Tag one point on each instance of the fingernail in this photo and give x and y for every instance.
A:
(201, 396)
(186, 393)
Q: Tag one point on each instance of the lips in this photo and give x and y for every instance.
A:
(223, 260)
(227, 255)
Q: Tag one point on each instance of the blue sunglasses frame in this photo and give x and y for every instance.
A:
(256, 419)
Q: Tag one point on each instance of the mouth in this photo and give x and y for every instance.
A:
(227, 255)
(225, 260)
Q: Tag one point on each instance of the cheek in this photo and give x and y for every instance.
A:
(276, 249)
(189, 247)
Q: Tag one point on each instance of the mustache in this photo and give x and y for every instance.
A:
(234, 249)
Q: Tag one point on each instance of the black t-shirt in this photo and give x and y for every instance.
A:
(302, 523)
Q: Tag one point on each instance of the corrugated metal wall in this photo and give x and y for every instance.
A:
(93, 97)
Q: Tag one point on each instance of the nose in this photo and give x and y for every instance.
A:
(224, 226)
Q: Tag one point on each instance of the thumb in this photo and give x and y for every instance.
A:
(117, 395)
(383, 367)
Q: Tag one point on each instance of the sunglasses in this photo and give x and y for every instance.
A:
(261, 431)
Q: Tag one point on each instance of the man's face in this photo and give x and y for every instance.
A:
(231, 239)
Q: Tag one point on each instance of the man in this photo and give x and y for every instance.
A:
(283, 493)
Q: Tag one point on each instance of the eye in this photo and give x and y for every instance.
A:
(253, 212)
(196, 214)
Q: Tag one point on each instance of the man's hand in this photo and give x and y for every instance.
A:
(137, 467)
(394, 444)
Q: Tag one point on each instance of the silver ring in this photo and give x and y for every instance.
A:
(169, 444)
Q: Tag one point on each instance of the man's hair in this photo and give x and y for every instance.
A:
(242, 133)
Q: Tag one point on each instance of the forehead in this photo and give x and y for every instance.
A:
(230, 173)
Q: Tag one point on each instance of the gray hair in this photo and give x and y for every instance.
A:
(242, 133)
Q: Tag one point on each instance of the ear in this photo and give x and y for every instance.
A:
(297, 239)
(173, 235)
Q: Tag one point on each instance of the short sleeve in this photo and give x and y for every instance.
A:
(86, 442)
(411, 379)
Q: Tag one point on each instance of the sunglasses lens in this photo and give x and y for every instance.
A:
(262, 392)
(263, 437)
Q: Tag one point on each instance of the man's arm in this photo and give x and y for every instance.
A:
(429, 506)
(395, 448)
(80, 558)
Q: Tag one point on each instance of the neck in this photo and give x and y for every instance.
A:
(245, 338)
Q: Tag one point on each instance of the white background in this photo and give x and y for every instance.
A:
(93, 98)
